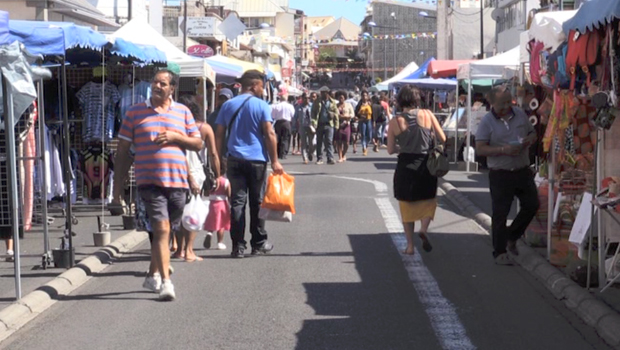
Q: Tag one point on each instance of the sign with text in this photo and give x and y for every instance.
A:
(201, 27)
(203, 51)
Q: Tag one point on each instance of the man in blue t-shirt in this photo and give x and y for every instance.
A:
(250, 144)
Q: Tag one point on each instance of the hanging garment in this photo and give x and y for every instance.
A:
(141, 92)
(29, 150)
(55, 185)
(96, 166)
(98, 111)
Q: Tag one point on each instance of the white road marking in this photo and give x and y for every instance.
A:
(449, 330)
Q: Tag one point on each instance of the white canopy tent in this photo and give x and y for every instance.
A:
(139, 31)
(410, 68)
(502, 66)
(547, 28)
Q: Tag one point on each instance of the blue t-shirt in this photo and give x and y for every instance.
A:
(246, 133)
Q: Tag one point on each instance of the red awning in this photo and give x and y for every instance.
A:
(444, 68)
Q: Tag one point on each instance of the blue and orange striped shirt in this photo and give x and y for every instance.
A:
(159, 165)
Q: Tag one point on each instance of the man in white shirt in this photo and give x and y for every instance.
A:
(282, 114)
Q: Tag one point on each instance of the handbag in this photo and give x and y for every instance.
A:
(437, 162)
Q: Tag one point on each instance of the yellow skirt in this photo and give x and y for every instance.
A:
(418, 210)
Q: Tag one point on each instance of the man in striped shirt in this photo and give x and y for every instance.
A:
(160, 130)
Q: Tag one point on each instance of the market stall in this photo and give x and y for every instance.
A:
(139, 31)
(502, 66)
(65, 47)
(592, 66)
(408, 70)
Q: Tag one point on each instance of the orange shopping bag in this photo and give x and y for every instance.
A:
(280, 193)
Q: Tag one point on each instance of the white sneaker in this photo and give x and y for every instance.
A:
(221, 246)
(167, 291)
(152, 283)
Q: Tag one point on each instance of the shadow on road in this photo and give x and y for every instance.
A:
(376, 313)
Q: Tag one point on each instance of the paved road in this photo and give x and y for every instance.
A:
(335, 280)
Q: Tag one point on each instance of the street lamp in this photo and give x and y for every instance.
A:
(373, 25)
(425, 15)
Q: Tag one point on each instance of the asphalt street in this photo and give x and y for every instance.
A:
(335, 280)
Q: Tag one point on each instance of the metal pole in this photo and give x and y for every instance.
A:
(129, 10)
(456, 129)
(456, 114)
(67, 164)
(481, 29)
(394, 48)
(42, 160)
(9, 128)
(185, 26)
(551, 199)
(384, 59)
(600, 152)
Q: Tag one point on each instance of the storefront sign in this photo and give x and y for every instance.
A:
(202, 27)
(200, 51)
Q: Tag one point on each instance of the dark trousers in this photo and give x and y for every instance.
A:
(247, 180)
(505, 185)
(325, 136)
(283, 132)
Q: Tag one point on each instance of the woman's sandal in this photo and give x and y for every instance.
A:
(426, 244)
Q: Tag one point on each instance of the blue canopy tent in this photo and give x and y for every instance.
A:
(55, 38)
(421, 72)
(4, 28)
(593, 14)
(64, 40)
(225, 69)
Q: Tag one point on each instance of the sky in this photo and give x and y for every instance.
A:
(353, 10)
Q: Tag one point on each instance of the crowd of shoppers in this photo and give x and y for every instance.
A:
(160, 137)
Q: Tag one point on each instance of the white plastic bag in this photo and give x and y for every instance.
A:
(195, 214)
(275, 215)
(469, 154)
(195, 168)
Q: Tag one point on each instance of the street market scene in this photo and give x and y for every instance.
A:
(295, 174)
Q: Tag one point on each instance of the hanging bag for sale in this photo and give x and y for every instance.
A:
(280, 193)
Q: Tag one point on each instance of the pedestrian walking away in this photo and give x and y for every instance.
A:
(251, 144)
(218, 219)
(378, 119)
(325, 121)
(160, 131)
(410, 134)
(504, 136)
(282, 114)
(306, 131)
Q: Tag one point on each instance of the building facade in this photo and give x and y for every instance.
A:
(459, 31)
(512, 16)
(395, 34)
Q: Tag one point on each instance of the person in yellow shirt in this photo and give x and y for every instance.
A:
(363, 114)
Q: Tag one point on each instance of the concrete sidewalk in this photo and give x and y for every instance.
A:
(470, 193)
(42, 287)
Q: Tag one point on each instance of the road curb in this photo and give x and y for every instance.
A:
(590, 309)
(28, 307)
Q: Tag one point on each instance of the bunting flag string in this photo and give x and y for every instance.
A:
(366, 36)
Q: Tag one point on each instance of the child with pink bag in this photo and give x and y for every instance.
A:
(218, 219)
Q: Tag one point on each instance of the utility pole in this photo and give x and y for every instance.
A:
(185, 26)
(481, 29)
(394, 44)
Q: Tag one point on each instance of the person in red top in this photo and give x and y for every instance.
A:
(160, 130)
